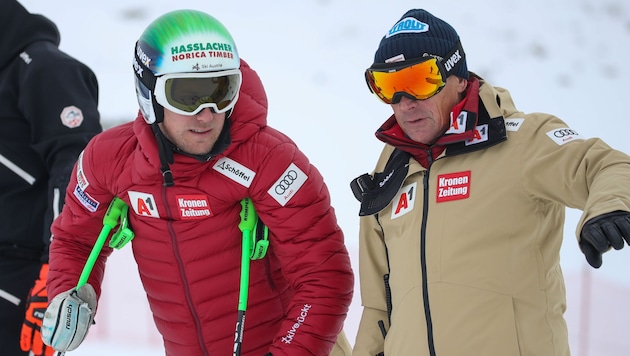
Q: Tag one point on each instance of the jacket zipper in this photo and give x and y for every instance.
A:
(423, 260)
(180, 264)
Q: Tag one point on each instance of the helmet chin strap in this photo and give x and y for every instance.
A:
(166, 155)
(166, 148)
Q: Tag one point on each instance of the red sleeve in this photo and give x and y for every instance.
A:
(76, 229)
(294, 202)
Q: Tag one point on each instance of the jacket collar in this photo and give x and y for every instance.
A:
(471, 129)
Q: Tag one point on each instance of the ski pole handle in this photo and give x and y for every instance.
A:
(110, 220)
(247, 224)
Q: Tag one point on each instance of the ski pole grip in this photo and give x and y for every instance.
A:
(113, 212)
(248, 215)
(110, 220)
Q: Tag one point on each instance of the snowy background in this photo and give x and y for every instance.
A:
(564, 57)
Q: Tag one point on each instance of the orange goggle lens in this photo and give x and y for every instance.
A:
(420, 81)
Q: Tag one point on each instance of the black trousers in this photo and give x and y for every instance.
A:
(17, 276)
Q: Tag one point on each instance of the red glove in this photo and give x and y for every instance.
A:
(31, 338)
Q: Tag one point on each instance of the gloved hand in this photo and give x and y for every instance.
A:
(31, 338)
(603, 232)
(69, 317)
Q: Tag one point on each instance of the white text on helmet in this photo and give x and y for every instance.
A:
(143, 57)
(137, 68)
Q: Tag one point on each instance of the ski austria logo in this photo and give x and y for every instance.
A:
(143, 204)
(453, 186)
(82, 180)
(407, 25)
(288, 184)
(404, 201)
(193, 206)
(564, 135)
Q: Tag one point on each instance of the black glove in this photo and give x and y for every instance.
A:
(603, 232)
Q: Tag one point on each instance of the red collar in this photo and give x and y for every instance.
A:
(462, 128)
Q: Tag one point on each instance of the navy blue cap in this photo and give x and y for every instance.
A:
(419, 34)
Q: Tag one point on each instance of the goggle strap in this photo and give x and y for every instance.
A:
(143, 73)
(462, 56)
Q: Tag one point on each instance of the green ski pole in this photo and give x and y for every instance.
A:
(247, 225)
(117, 210)
(110, 220)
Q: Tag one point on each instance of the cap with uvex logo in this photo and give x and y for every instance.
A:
(419, 34)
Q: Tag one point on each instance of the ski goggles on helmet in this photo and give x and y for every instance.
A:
(189, 93)
(418, 80)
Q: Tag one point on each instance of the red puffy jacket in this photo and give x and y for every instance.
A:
(188, 245)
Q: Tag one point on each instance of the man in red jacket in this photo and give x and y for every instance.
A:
(200, 146)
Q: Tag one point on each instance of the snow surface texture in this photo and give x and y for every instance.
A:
(563, 57)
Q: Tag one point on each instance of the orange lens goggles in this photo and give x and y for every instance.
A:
(420, 80)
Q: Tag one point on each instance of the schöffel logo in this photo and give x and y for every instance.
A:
(288, 184)
(453, 186)
(408, 25)
(235, 171)
(564, 135)
(513, 124)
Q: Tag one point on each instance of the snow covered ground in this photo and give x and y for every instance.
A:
(563, 57)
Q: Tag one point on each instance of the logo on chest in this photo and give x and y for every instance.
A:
(193, 206)
(143, 204)
(453, 186)
(404, 201)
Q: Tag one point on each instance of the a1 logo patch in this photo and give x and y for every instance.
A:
(453, 186)
(479, 135)
(143, 204)
(404, 201)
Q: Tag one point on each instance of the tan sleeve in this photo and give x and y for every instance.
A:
(342, 346)
(372, 268)
(565, 166)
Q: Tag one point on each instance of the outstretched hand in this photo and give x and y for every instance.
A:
(603, 232)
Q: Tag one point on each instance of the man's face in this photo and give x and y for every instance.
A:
(194, 134)
(424, 121)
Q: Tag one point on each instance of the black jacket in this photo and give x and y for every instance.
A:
(48, 113)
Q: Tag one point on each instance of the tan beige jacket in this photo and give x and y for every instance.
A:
(471, 245)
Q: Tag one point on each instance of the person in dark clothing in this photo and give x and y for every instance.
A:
(48, 113)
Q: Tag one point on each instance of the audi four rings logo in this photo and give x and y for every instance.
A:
(285, 182)
(288, 184)
(564, 133)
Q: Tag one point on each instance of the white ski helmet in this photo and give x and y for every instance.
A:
(186, 42)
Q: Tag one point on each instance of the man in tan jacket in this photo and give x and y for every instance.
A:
(462, 218)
